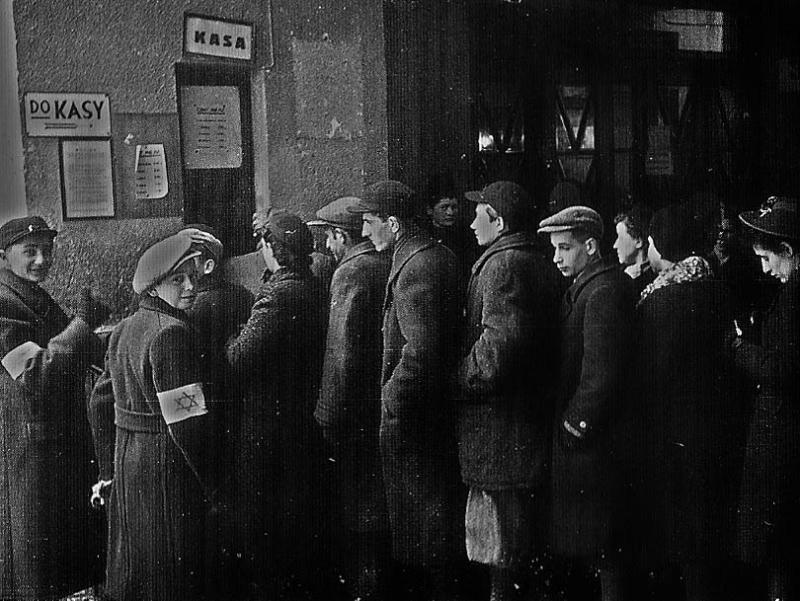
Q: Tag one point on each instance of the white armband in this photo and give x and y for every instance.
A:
(17, 358)
(182, 403)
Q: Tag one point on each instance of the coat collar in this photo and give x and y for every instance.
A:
(591, 271)
(362, 248)
(153, 303)
(505, 242)
(33, 295)
(408, 246)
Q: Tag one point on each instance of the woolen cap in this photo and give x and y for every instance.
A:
(509, 199)
(777, 217)
(287, 228)
(571, 218)
(389, 198)
(678, 231)
(160, 259)
(15, 230)
(337, 214)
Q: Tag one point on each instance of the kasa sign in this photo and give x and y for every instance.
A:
(67, 115)
(214, 37)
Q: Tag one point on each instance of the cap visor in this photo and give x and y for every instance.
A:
(319, 223)
(360, 208)
(474, 196)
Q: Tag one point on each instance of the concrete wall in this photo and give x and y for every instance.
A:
(319, 113)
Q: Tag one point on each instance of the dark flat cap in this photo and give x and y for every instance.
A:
(388, 197)
(289, 229)
(777, 217)
(160, 259)
(509, 199)
(571, 218)
(15, 230)
(337, 214)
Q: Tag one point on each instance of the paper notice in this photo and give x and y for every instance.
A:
(87, 178)
(150, 179)
(212, 129)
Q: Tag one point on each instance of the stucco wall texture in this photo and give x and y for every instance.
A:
(319, 122)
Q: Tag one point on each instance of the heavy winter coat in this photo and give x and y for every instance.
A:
(277, 357)
(349, 405)
(507, 370)
(161, 473)
(417, 432)
(769, 507)
(691, 422)
(51, 539)
(596, 328)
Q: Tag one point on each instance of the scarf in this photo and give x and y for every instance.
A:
(690, 269)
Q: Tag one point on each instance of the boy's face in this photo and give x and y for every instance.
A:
(570, 255)
(31, 257)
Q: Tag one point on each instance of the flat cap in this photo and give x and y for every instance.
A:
(572, 218)
(337, 214)
(388, 197)
(15, 230)
(160, 259)
(507, 198)
(289, 229)
(779, 216)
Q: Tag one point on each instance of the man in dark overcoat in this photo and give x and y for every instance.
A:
(51, 539)
(417, 439)
(505, 380)
(349, 407)
(596, 324)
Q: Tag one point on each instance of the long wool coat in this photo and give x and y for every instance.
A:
(769, 508)
(417, 432)
(349, 405)
(51, 539)
(277, 358)
(691, 422)
(161, 474)
(596, 324)
(508, 368)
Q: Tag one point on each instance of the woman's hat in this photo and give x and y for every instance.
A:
(161, 259)
(778, 217)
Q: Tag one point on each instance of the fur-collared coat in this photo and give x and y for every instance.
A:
(51, 539)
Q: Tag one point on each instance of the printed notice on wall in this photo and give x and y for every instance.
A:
(86, 178)
(211, 127)
(150, 168)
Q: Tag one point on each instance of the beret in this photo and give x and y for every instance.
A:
(777, 217)
(336, 214)
(573, 218)
(160, 259)
(15, 230)
(678, 231)
(388, 197)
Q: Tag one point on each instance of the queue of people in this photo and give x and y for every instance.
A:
(391, 429)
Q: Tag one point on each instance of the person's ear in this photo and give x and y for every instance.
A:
(394, 224)
(639, 243)
(208, 266)
(787, 250)
(152, 292)
(500, 224)
(591, 246)
(340, 234)
(2, 255)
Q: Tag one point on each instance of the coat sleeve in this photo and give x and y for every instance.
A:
(420, 298)
(101, 419)
(177, 379)
(267, 331)
(39, 368)
(606, 332)
(506, 328)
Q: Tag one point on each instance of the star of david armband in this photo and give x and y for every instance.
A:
(17, 358)
(182, 403)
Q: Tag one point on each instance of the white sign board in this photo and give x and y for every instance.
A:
(211, 127)
(67, 115)
(87, 178)
(213, 37)
(150, 172)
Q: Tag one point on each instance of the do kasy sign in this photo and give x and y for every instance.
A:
(67, 115)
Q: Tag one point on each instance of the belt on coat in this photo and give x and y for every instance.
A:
(133, 421)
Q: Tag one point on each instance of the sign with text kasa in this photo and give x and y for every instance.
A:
(215, 37)
(67, 115)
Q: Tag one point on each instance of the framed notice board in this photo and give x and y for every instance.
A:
(147, 174)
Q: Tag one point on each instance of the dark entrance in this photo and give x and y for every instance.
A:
(217, 150)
